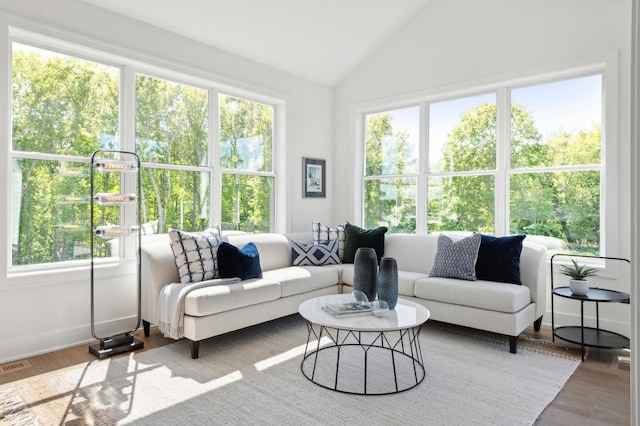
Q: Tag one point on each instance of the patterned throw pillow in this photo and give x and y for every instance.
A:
(324, 234)
(195, 254)
(456, 259)
(316, 254)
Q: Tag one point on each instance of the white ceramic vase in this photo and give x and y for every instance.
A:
(579, 287)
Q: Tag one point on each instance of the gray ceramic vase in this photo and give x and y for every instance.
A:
(365, 272)
(387, 286)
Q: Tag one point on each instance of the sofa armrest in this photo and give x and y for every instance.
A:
(158, 269)
(533, 274)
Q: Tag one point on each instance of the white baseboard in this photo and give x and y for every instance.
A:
(31, 345)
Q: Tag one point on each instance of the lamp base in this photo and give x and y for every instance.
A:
(115, 345)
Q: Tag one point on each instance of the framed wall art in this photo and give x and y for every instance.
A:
(314, 178)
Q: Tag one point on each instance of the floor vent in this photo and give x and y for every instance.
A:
(14, 366)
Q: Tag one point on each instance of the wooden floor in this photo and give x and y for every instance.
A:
(596, 394)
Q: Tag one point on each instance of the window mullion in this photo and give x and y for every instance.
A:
(422, 205)
(503, 154)
(215, 172)
(128, 135)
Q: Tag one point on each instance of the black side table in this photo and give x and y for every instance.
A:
(589, 336)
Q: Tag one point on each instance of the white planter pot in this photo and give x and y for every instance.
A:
(579, 288)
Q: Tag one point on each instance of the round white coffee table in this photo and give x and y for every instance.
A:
(362, 353)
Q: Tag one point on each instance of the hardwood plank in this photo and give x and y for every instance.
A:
(598, 393)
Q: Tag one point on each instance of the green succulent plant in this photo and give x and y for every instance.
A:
(578, 272)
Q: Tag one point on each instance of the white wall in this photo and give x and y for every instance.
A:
(456, 44)
(43, 313)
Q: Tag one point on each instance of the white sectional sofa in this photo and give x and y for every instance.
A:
(209, 311)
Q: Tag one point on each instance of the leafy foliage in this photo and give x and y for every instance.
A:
(560, 205)
(66, 107)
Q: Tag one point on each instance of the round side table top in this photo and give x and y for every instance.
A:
(594, 295)
(405, 315)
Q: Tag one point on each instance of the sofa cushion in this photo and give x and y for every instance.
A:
(323, 234)
(413, 252)
(488, 295)
(456, 259)
(357, 237)
(406, 280)
(195, 254)
(499, 258)
(303, 279)
(315, 254)
(243, 263)
(225, 297)
(274, 249)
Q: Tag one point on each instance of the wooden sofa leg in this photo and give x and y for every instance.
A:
(513, 344)
(146, 325)
(537, 323)
(195, 348)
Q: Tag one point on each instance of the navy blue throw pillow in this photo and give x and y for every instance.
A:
(243, 263)
(499, 259)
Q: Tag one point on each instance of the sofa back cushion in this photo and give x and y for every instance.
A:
(413, 252)
(274, 249)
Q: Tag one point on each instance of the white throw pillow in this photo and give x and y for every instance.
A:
(323, 234)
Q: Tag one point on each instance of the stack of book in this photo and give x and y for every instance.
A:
(340, 309)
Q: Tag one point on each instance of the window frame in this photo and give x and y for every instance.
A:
(129, 65)
(605, 64)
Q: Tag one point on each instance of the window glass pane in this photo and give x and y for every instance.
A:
(557, 124)
(559, 210)
(61, 104)
(391, 142)
(50, 211)
(171, 122)
(462, 134)
(246, 135)
(174, 199)
(391, 203)
(248, 203)
(461, 203)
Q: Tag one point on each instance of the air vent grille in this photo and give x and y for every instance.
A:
(14, 366)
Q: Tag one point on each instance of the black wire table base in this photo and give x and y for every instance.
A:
(363, 362)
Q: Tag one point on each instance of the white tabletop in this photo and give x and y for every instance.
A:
(405, 315)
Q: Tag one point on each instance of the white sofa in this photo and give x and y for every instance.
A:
(497, 307)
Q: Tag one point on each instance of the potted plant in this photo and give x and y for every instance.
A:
(578, 273)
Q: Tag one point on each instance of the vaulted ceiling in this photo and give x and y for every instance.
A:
(320, 40)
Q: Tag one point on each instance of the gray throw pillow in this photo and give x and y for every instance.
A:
(456, 259)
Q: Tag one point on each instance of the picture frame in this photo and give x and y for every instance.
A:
(314, 178)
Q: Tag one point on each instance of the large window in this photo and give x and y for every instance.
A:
(523, 159)
(246, 158)
(172, 142)
(63, 109)
(391, 145)
(66, 106)
(462, 158)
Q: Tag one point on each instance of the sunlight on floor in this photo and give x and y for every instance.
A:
(287, 355)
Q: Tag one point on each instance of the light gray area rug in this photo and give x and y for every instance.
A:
(253, 377)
